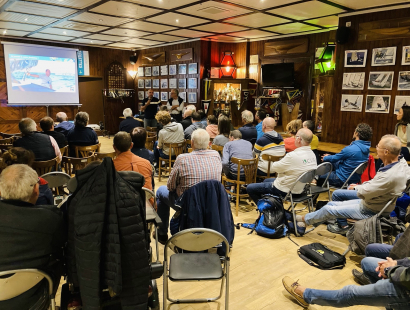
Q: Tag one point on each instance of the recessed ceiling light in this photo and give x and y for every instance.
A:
(26, 19)
(5, 31)
(177, 20)
(91, 41)
(64, 32)
(100, 20)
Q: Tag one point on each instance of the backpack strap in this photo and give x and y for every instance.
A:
(256, 223)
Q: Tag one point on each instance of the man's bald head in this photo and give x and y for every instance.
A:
(268, 124)
(391, 143)
(61, 117)
(188, 113)
(305, 135)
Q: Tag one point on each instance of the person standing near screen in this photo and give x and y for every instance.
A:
(45, 78)
(150, 108)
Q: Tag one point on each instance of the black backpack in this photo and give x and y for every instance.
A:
(321, 257)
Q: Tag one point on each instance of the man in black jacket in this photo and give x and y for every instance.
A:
(130, 122)
(187, 121)
(47, 125)
(31, 236)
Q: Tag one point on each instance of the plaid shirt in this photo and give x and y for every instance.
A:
(193, 168)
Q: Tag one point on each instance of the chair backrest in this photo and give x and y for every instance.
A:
(190, 150)
(9, 135)
(83, 151)
(56, 179)
(271, 159)
(176, 149)
(150, 194)
(358, 170)
(322, 169)
(101, 156)
(149, 143)
(72, 164)
(64, 151)
(305, 178)
(5, 147)
(43, 167)
(218, 148)
(7, 141)
(152, 129)
(151, 134)
(249, 166)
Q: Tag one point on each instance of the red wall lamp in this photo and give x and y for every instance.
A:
(228, 66)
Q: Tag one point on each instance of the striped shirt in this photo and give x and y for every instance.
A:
(193, 168)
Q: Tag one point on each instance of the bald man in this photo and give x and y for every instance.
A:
(270, 143)
(64, 127)
(187, 121)
(372, 196)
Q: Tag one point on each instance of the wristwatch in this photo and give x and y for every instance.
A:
(386, 270)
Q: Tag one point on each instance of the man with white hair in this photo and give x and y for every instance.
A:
(130, 122)
(44, 147)
(189, 169)
(249, 132)
(64, 126)
(31, 236)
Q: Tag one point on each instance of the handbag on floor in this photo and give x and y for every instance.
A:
(321, 257)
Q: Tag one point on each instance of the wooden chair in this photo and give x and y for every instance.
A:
(7, 141)
(250, 167)
(64, 151)
(187, 144)
(270, 159)
(149, 143)
(101, 156)
(151, 134)
(152, 129)
(71, 164)
(174, 148)
(9, 135)
(5, 147)
(218, 148)
(43, 167)
(83, 151)
(190, 150)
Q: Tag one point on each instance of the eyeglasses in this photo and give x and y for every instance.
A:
(38, 182)
(381, 148)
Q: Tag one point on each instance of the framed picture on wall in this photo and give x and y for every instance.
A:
(172, 83)
(182, 69)
(164, 83)
(155, 71)
(164, 96)
(381, 80)
(355, 58)
(405, 58)
(183, 95)
(148, 83)
(146, 93)
(164, 70)
(155, 83)
(384, 56)
(147, 71)
(140, 71)
(353, 80)
(182, 83)
(191, 97)
(351, 103)
(156, 94)
(192, 83)
(378, 103)
(141, 95)
(172, 69)
(404, 80)
(193, 68)
(401, 101)
(140, 83)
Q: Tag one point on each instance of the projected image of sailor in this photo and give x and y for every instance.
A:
(45, 78)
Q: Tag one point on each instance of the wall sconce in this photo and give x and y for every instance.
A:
(132, 73)
(325, 61)
(228, 65)
(253, 69)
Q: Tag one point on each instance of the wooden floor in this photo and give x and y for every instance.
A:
(258, 265)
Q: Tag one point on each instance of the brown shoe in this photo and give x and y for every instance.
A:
(290, 286)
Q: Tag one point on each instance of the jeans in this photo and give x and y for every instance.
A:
(165, 201)
(380, 250)
(150, 122)
(159, 153)
(257, 190)
(369, 265)
(339, 209)
(343, 195)
(333, 180)
(261, 173)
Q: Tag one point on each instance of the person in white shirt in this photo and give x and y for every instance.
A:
(45, 78)
(289, 169)
(175, 105)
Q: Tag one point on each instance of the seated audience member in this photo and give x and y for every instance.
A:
(289, 169)
(349, 158)
(292, 128)
(212, 128)
(224, 130)
(187, 121)
(130, 122)
(248, 131)
(402, 130)
(270, 143)
(64, 126)
(139, 137)
(175, 105)
(165, 108)
(189, 169)
(259, 117)
(170, 133)
(203, 118)
(81, 134)
(18, 155)
(149, 107)
(47, 125)
(373, 195)
(236, 147)
(309, 124)
(223, 113)
(127, 161)
(191, 107)
(43, 146)
(196, 124)
(31, 236)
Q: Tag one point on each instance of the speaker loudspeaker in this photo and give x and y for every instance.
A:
(342, 35)
(133, 59)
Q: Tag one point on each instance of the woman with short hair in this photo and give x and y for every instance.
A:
(224, 129)
(402, 130)
(292, 128)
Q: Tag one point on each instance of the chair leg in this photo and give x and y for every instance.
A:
(227, 286)
(294, 219)
(165, 286)
(347, 251)
(159, 171)
(237, 199)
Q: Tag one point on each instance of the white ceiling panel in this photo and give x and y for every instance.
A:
(214, 10)
(305, 10)
(262, 4)
(251, 34)
(65, 32)
(125, 45)
(126, 32)
(104, 37)
(124, 9)
(77, 4)
(93, 42)
(163, 4)
(143, 41)
(292, 28)
(175, 19)
(257, 20)
(223, 38)
(329, 21)
(164, 37)
(363, 4)
(68, 24)
(39, 9)
(13, 33)
(220, 28)
(140, 25)
(189, 33)
(17, 26)
(53, 37)
(100, 19)
(26, 19)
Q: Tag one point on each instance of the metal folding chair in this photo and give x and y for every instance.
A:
(56, 180)
(359, 170)
(322, 169)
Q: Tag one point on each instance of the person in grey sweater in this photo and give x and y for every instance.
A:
(236, 147)
(389, 183)
(196, 123)
(224, 129)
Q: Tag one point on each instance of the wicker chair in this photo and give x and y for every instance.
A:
(83, 151)
(174, 148)
(43, 167)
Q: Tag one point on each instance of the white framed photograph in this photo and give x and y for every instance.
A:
(404, 80)
(381, 80)
(193, 68)
(191, 97)
(147, 71)
(164, 70)
(384, 56)
(172, 69)
(155, 83)
(164, 96)
(378, 103)
(355, 58)
(156, 94)
(140, 83)
(192, 83)
(146, 94)
(182, 69)
(148, 83)
(172, 83)
(164, 83)
(353, 81)
(182, 83)
(405, 58)
(140, 71)
(401, 101)
(155, 71)
(183, 95)
(351, 103)
(141, 95)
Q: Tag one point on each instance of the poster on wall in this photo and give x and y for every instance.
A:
(183, 95)
(155, 70)
(141, 95)
(155, 83)
(191, 97)
(193, 68)
(377, 103)
(164, 96)
(172, 83)
(164, 83)
(140, 83)
(405, 58)
(164, 70)
(182, 69)
(140, 71)
(355, 58)
(381, 80)
(148, 83)
(182, 83)
(352, 103)
(172, 69)
(401, 101)
(192, 83)
(156, 94)
(384, 56)
(404, 80)
(353, 81)
(147, 71)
